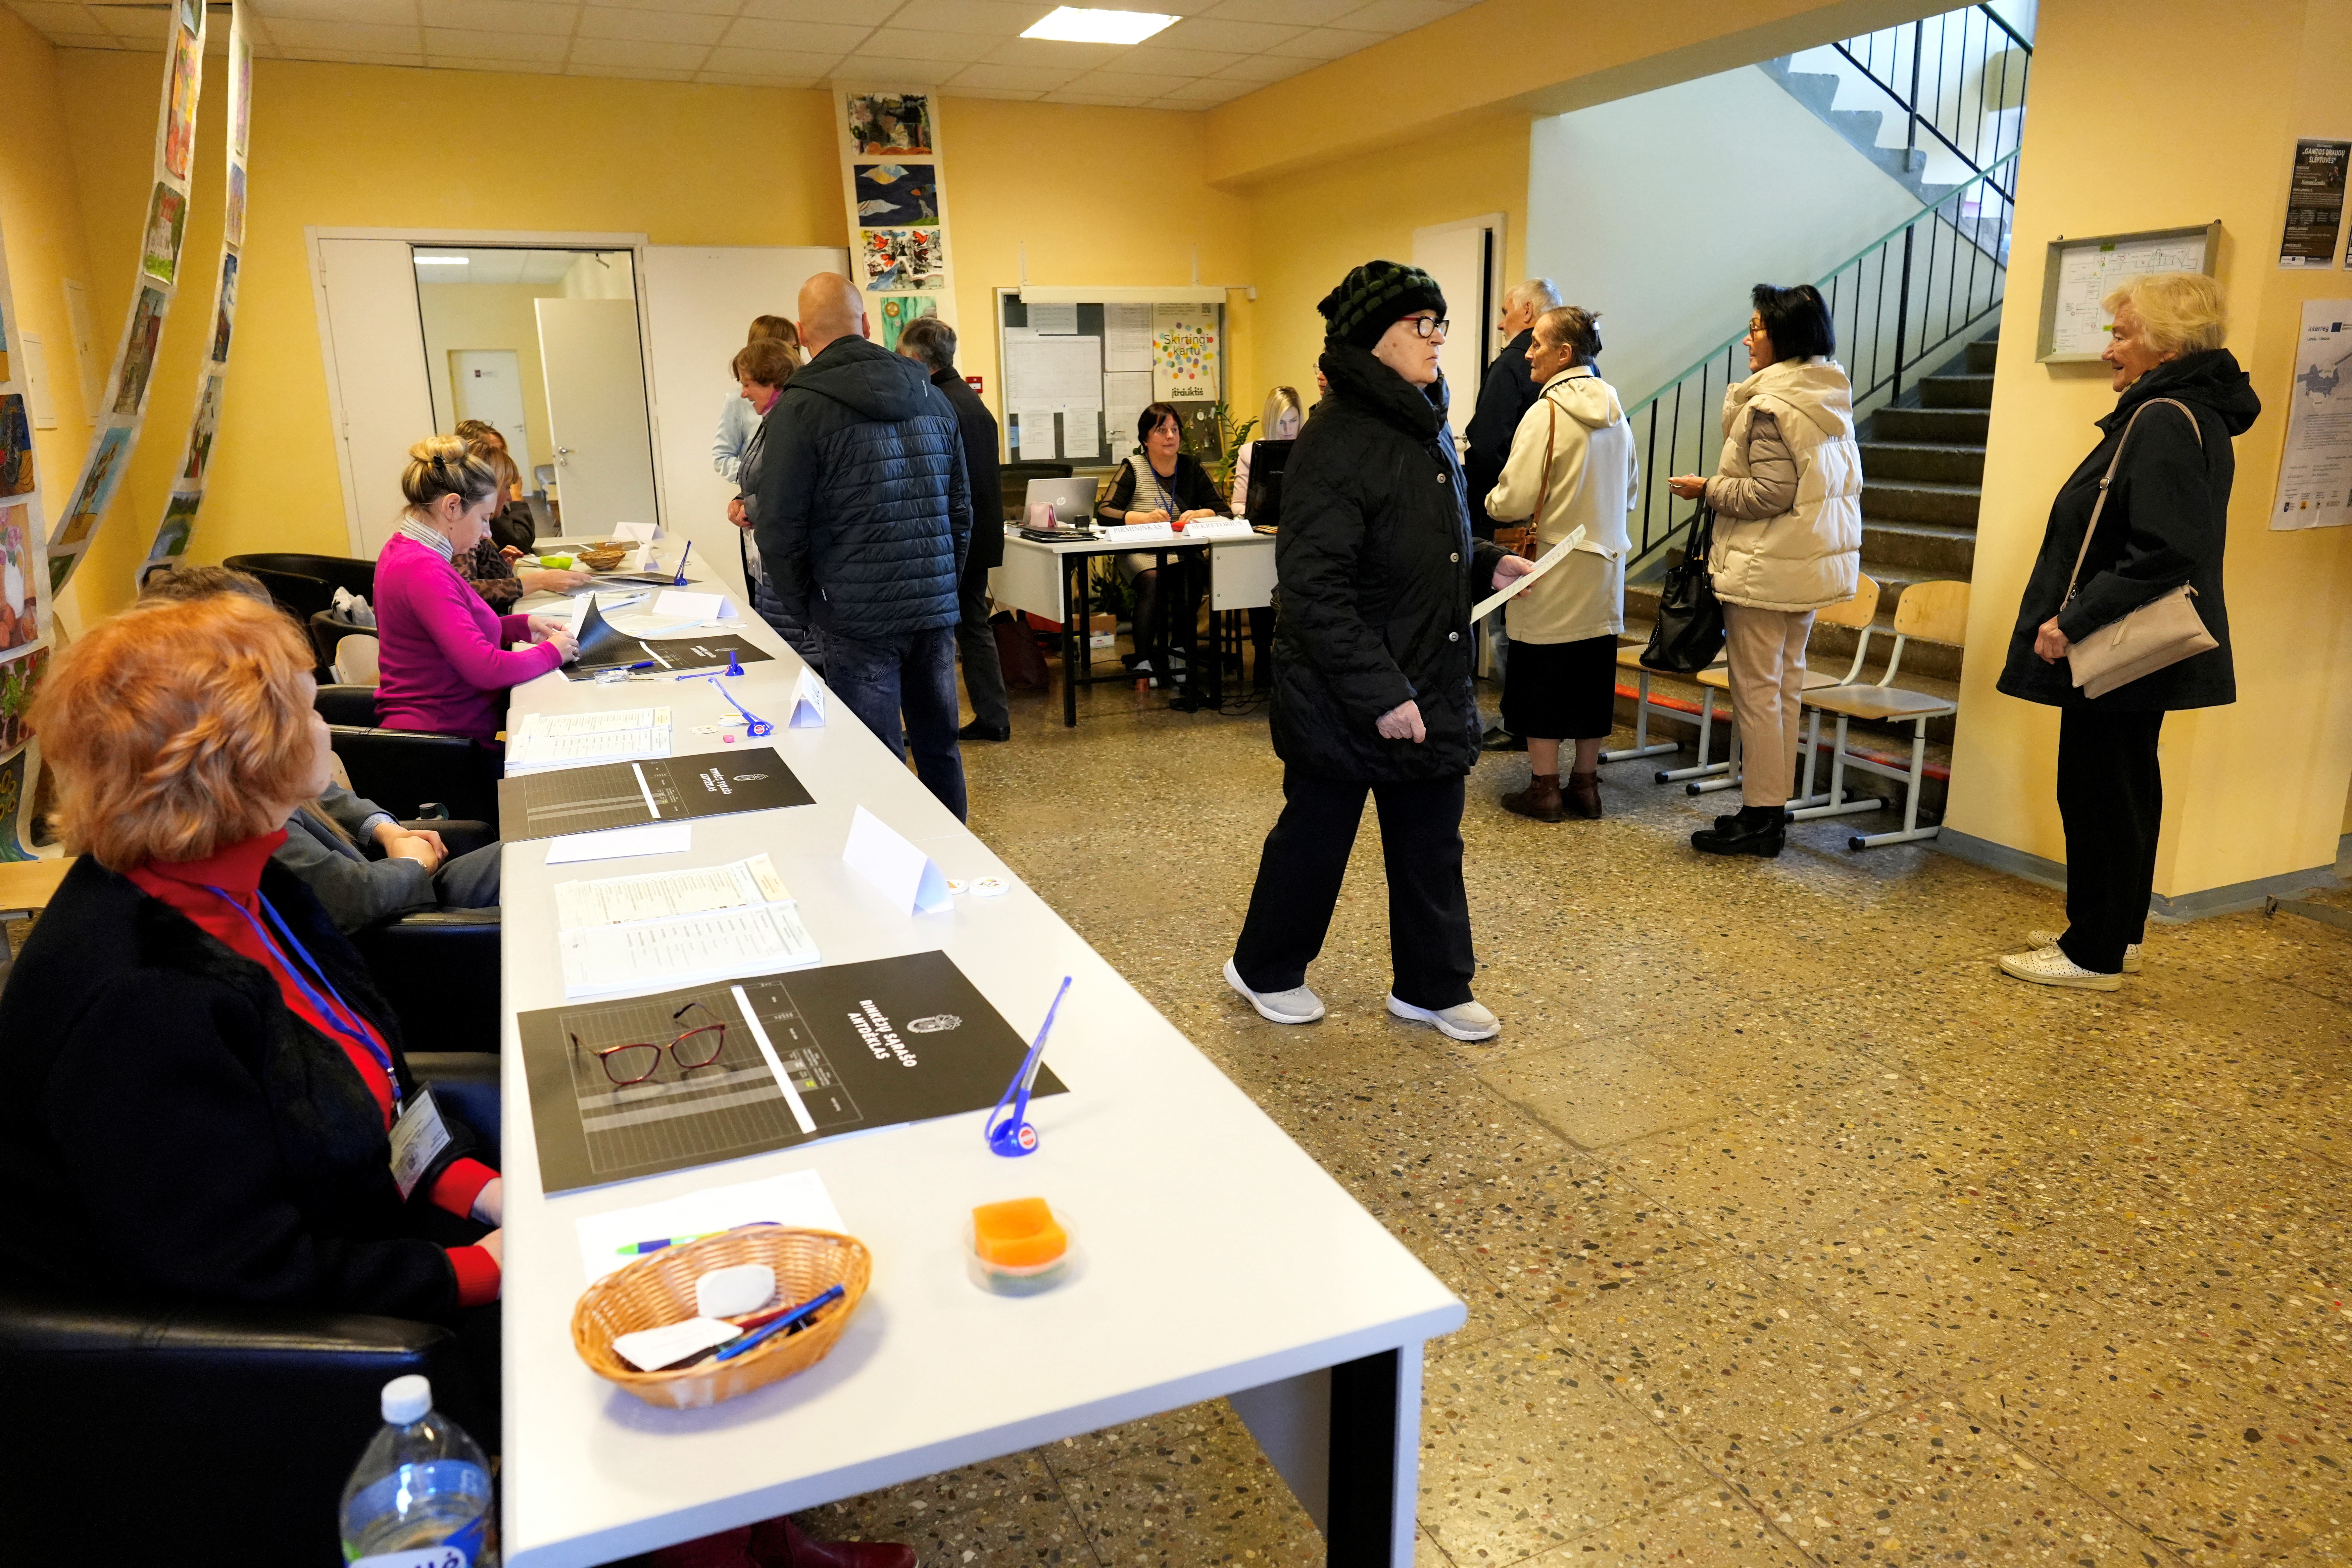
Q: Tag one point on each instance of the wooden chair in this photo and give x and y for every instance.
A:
(1856, 614)
(1629, 657)
(356, 660)
(1930, 612)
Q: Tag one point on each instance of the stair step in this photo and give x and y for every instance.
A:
(1941, 548)
(1981, 355)
(1956, 392)
(1922, 460)
(1919, 500)
(1947, 427)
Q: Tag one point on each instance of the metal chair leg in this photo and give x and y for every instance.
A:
(1704, 769)
(1728, 777)
(1642, 746)
(1839, 804)
(1911, 831)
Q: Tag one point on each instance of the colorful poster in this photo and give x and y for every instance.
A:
(224, 309)
(1184, 352)
(892, 181)
(2315, 481)
(894, 310)
(903, 258)
(17, 775)
(233, 224)
(890, 123)
(2314, 204)
(180, 93)
(16, 445)
(20, 618)
(890, 194)
(167, 221)
(17, 680)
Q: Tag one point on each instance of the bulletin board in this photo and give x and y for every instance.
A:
(2081, 272)
(1075, 377)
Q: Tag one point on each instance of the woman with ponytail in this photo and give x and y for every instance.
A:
(445, 655)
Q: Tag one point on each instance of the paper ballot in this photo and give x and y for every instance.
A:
(572, 739)
(884, 856)
(663, 895)
(685, 951)
(1551, 558)
(808, 703)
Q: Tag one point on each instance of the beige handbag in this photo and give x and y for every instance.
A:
(1520, 539)
(2162, 632)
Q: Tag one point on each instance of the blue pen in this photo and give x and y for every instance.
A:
(679, 581)
(798, 1317)
(1013, 1136)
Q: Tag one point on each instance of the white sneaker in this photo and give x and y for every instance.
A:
(2051, 966)
(1296, 1006)
(2049, 939)
(1463, 1021)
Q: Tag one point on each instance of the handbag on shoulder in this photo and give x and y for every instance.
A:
(1520, 539)
(2160, 633)
(1688, 632)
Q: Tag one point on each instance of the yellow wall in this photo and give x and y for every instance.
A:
(2146, 116)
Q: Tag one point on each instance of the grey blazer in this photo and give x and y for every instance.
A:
(355, 889)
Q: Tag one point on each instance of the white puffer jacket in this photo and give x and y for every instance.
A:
(1809, 555)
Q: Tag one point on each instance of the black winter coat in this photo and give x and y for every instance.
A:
(981, 470)
(2166, 524)
(863, 513)
(1504, 392)
(1377, 572)
(170, 1129)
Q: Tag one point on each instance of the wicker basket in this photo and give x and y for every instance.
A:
(602, 557)
(659, 1290)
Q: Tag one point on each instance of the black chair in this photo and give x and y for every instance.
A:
(336, 571)
(299, 595)
(438, 972)
(1014, 478)
(407, 772)
(327, 631)
(351, 705)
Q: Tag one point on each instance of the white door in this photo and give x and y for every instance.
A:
(596, 415)
(487, 384)
(699, 302)
(1465, 259)
(374, 340)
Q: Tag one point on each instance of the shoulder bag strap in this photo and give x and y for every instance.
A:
(1543, 486)
(2108, 479)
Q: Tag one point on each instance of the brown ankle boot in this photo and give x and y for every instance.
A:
(1584, 795)
(1539, 800)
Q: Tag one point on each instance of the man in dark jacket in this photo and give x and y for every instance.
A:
(863, 522)
(931, 344)
(1507, 391)
(1378, 571)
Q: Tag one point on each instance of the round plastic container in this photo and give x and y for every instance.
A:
(1002, 1279)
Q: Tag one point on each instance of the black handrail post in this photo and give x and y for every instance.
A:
(1902, 315)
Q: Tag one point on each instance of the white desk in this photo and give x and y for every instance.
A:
(1179, 1190)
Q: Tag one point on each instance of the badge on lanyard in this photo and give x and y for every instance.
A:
(417, 1140)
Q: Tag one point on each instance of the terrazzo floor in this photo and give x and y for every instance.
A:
(1791, 1231)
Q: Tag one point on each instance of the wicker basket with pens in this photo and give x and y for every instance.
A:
(659, 1290)
(603, 557)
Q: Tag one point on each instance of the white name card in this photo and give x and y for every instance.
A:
(904, 874)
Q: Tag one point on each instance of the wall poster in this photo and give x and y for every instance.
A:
(2314, 204)
(24, 615)
(123, 407)
(890, 178)
(2314, 483)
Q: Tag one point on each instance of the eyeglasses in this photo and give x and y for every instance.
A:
(701, 1045)
(1429, 326)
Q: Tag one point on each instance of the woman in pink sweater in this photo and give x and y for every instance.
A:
(446, 660)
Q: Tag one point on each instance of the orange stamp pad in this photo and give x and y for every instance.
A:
(1021, 1233)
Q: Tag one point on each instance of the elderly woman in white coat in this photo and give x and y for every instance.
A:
(1571, 466)
(1788, 542)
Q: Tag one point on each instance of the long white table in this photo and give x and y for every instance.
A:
(1218, 1259)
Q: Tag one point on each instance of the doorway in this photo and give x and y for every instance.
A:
(1466, 259)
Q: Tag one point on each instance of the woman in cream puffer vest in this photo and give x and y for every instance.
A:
(1788, 542)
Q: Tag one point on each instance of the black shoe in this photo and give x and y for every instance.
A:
(976, 731)
(1761, 831)
(1501, 739)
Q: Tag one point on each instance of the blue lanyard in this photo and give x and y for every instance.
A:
(338, 1017)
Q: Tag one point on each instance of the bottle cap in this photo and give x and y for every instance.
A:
(407, 1400)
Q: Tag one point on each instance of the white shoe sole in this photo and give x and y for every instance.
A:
(1411, 1014)
(2041, 938)
(2086, 982)
(1234, 979)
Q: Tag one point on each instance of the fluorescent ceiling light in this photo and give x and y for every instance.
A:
(1078, 25)
(443, 261)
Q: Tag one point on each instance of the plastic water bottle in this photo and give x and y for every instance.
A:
(420, 1495)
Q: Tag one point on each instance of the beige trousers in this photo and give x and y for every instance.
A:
(1768, 680)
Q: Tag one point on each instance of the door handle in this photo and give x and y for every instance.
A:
(561, 452)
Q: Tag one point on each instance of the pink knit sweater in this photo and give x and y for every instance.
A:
(444, 653)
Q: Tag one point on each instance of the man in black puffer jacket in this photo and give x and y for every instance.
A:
(1378, 571)
(863, 520)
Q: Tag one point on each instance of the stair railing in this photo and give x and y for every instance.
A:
(1952, 76)
(1909, 299)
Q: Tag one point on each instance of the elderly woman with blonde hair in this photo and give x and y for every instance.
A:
(2164, 466)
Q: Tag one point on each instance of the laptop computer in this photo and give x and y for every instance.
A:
(1072, 500)
(1268, 459)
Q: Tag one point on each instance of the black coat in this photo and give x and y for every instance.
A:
(170, 1129)
(1377, 572)
(2166, 524)
(1506, 393)
(981, 470)
(863, 513)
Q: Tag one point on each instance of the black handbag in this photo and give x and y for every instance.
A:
(1688, 632)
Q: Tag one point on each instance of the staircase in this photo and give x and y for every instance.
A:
(1862, 129)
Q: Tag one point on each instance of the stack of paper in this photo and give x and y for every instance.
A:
(678, 927)
(576, 740)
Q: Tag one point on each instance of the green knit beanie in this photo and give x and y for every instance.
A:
(1375, 296)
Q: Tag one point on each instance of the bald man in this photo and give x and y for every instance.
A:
(864, 522)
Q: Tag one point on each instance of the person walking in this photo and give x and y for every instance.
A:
(931, 344)
(1572, 466)
(1789, 484)
(863, 521)
(761, 367)
(1378, 569)
(2165, 466)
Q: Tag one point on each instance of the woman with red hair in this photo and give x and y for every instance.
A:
(203, 1084)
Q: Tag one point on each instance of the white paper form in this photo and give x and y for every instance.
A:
(574, 739)
(1061, 319)
(1053, 372)
(796, 1198)
(621, 843)
(1032, 430)
(909, 878)
(1125, 393)
(663, 895)
(1549, 559)
(2314, 482)
(1126, 341)
(602, 960)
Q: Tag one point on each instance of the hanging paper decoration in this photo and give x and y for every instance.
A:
(891, 176)
(152, 287)
(195, 457)
(24, 603)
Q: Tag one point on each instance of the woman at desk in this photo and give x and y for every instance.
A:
(1167, 484)
(489, 566)
(446, 660)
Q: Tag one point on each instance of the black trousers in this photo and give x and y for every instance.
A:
(1305, 857)
(983, 673)
(2111, 798)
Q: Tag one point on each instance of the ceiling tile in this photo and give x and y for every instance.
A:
(354, 56)
(808, 38)
(1009, 79)
(1327, 43)
(918, 44)
(54, 22)
(381, 13)
(737, 79)
(1005, 94)
(678, 7)
(85, 41)
(1050, 52)
(1399, 16)
(1227, 37)
(630, 73)
(768, 63)
(130, 21)
(883, 70)
(1087, 99)
(502, 17)
(1207, 91)
(346, 37)
(449, 41)
(855, 13)
(640, 54)
(651, 26)
(1263, 68)
(1287, 13)
(1127, 87)
(1010, 17)
(1149, 60)
(504, 66)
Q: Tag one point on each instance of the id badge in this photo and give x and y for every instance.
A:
(417, 1140)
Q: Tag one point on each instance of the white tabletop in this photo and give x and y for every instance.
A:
(1215, 1255)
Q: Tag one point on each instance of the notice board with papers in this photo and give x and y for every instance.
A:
(1075, 376)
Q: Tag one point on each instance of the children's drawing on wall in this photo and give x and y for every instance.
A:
(890, 123)
(16, 446)
(167, 216)
(902, 259)
(890, 194)
(139, 362)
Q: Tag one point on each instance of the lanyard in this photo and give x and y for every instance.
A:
(1166, 486)
(331, 1007)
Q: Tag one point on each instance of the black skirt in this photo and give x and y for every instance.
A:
(1562, 690)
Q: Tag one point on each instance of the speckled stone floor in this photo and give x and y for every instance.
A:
(1791, 1231)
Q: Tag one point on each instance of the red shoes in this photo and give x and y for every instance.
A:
(778, 1543)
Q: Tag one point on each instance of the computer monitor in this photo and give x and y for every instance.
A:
(1073, 498)
(1268, 459)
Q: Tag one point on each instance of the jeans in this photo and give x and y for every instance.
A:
(877, 679)
(2111, 799)
(983, 673)
(469, 881)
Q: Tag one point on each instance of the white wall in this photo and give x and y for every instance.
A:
(1662, 210)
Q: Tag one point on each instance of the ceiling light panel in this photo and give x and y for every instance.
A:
(1080, 25)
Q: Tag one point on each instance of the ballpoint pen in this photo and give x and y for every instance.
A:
(1013, 1137)
(792, 1320)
